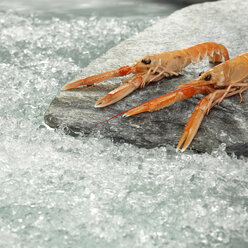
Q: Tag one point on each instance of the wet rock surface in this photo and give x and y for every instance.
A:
(197, 1)
(194, 1)
(223, 22)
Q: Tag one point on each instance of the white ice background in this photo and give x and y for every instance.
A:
(61, 191)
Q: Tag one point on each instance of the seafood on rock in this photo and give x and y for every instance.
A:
(152, 68)
(222, 81)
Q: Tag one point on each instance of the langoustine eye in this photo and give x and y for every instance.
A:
(146, 61)
(208, 77)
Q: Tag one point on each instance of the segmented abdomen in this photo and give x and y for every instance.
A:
(213, 50)
(176, 61)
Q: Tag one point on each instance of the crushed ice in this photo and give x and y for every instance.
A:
(61, 191)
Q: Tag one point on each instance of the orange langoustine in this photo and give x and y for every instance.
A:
(152, 68)
(222, 81)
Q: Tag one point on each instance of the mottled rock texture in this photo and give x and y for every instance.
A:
(194, 1)
(224, 22)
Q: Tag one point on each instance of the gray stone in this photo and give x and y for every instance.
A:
(193, 1)
(223, 22)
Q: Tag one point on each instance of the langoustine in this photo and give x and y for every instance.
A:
(222, 81)
(152, 68)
